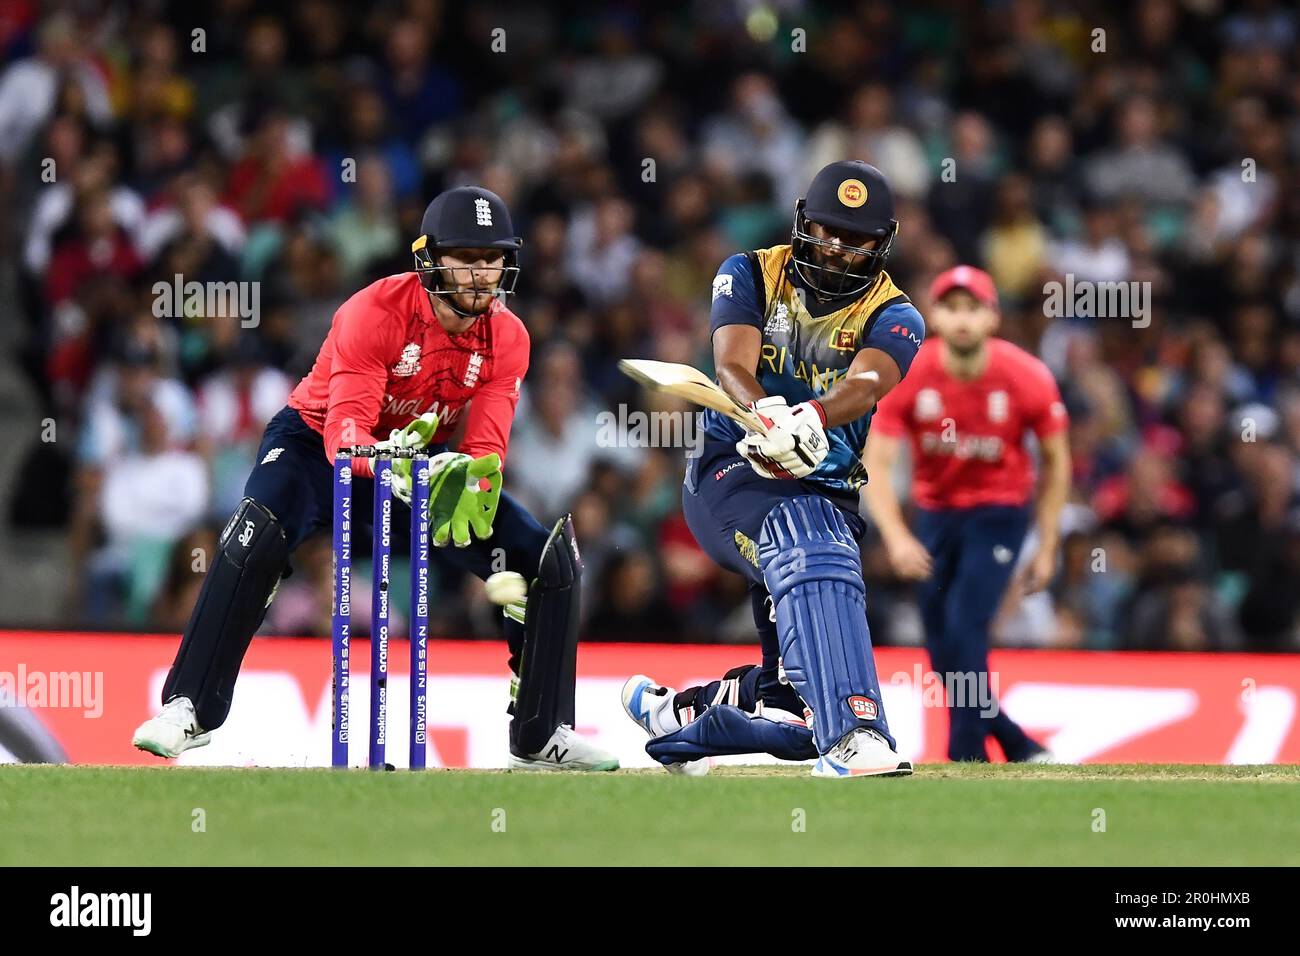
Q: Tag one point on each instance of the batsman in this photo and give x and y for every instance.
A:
(811, 335)
(409, 362)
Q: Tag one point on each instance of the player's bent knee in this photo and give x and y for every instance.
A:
(726, 729)
(560, 565)
(807, 539)
(253, 555)
(254, 534)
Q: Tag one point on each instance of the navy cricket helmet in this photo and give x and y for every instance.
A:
(853, 198)
(467, 217)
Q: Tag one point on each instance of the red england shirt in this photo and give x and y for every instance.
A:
(387, 361)
(967, 437)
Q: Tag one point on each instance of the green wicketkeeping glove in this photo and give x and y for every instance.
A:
(457, 503)
(447, 477)
(417, 434)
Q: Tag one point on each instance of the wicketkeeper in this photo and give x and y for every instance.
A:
(405, 359)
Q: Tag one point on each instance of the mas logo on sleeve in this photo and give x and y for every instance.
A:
(903, 331)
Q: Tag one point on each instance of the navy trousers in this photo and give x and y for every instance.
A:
(974, 552)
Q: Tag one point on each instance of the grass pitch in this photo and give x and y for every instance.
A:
(945, 814)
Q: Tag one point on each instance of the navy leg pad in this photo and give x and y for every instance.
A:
(549, 660)
(726, 729)
(813, 571)
(253, 553)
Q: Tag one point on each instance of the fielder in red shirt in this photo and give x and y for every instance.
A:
(409, 362)
(965, 410)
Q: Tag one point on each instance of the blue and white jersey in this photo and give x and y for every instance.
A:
(808, 346)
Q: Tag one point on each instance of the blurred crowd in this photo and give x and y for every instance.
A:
(295, 145)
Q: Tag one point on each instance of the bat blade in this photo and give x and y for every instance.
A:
(691, 384)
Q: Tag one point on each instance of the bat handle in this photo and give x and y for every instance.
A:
(751, 419)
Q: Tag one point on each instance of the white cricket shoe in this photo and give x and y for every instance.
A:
(566, 750)
(174, 731)
(1044, 756)
(650, 705)
(861, 753)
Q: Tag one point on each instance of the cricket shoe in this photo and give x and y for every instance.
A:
(861, 753)
(174, 731)
(1043, 755)
(566, 750)
(651, 706)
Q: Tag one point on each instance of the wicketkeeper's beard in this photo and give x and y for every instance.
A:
(467, 303)
(473, 301)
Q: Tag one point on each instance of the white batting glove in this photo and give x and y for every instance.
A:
(795, 443)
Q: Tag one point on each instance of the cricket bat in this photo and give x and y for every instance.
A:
(692, 385)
